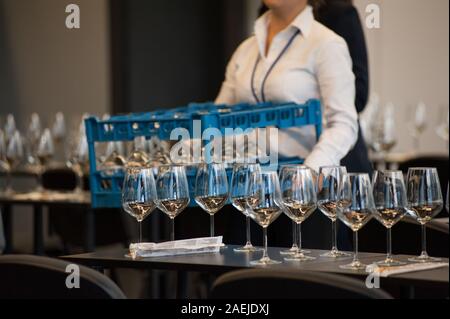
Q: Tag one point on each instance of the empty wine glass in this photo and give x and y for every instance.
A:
(14, 156)
(238, 195)
(44, 154)
(330, 182)
(389, 192)
(356, 208)
(172, 192)
(33, 135)
(384, 132)
(264, 206)
(298, 194)
(419, 123)
(442, 128)
(138, 156)
(59, 133)
(10, 127)
(78, 153)
(425, 202)
(211, 189)
(139, 194)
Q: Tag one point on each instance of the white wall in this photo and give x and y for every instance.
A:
(409, 62)
(53, 68)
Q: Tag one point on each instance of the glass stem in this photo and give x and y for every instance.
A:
(333, 236)
(294, 234)
(389, 244)
(211, 225)
(299, 235)
(249, 238)
(355, 243)
(172, 232)
(424, 240)
(265, 255)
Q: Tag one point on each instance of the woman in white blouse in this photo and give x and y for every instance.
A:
(294, 58)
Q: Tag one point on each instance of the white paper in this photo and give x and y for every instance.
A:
(178, 247)
(394, 270)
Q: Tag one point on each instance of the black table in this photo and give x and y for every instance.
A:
(38, 200)
(227, 260)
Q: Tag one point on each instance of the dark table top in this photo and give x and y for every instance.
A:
(46, 198)
(228, 260)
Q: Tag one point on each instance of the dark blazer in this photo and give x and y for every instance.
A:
(344, 20)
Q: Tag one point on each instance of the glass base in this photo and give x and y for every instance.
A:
(424, 258)
(248, 248)
(264, 261)
(335, 254)
(355, 265)
(299, 258)
(291, 251)
(390, 262)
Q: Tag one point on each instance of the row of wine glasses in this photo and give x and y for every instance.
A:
(39, 147)
(263, 195)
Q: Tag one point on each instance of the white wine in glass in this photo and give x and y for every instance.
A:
(239, 198)
(329, 201)
(298, 194)
(425, 201)
(139, 194)
(211, 189)
(357, 190)
(173, 192)
(264, 206)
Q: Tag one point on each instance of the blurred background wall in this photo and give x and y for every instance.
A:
(174, 52)
(45, 67)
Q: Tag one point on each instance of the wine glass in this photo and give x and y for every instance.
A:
(419, 123)
(10, 127)
(330, 182)
(138, 156)
(172, 192)
(59, 131)
(264, 206)
(211, 189)
(356, 208)
(384, 132)
(425, 202)
(238, 195)
(139, 194)
(298, 194)
(44, 153)
(33, 134)
(389, 192)
(14, 155)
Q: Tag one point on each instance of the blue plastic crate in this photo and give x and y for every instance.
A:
(106, 188)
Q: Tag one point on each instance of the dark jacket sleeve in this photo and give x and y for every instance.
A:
(347, 24)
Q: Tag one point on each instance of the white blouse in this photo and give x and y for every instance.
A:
(316, 64)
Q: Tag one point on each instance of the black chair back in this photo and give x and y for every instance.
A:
(278, 284)
(34, 277)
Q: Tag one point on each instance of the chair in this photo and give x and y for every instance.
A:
(278, 284)
(33, 277)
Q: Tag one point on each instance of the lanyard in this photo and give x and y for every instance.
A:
(270, 69)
